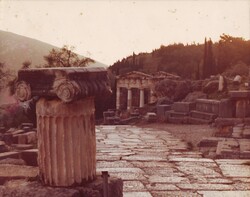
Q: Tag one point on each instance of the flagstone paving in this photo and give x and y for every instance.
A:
(154, 163)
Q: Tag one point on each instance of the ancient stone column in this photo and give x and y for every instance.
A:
(66, 141)
(129, 100)
(151, 96)
(141, 98)
(118, 98)
(65, 120)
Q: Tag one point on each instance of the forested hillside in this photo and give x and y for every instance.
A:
(193, 61)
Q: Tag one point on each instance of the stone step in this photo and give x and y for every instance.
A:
(210, 141)
(202, 115)
(208, 105)
(5, 155)
(175, 114)
(192, 120)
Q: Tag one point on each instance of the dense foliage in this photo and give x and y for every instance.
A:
(193, 61)
(6, 76)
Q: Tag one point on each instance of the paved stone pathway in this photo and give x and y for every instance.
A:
(154, 163)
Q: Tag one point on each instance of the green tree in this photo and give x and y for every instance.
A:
(64, 57)
(209, 67)
(26, 64)
(232, 50)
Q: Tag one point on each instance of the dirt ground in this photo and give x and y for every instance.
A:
(189, 133)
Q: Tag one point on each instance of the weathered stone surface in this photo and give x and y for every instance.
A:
(66, 141)
(133, 186)
(224, 193)
(137, 194)
(176, 168)
(239, 94)
(19, 147)
(202, 115)
(9, 155)
(12, 161)
(151, 117)
(208, 105)
(160, 186)
(210, 142)
(226, 108)
(66, 83)
(235, 170)
(197, 186)
(171, 179)
(161, 109)
(192, 160)
(17, 171)
(183, 106)
(175, 194)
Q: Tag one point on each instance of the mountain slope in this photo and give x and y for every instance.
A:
(15, 49)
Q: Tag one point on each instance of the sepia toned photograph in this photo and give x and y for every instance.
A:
(124, 98)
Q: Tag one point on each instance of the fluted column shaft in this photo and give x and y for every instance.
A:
(129, 100)
(141, 98)
(118, 98)
(66, 141)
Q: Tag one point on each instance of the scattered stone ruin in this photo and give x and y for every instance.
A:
(135, 89)
(66, 126)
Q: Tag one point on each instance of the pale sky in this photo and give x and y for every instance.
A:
(107, 31)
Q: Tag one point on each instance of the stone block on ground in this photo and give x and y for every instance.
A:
(3, 147)
(226, 108)
(9, 171)
(175, 114)
(161, 109)
(30, 156)
(19, 131)
(246, 132)
(151, 117)
(27, 124)
(9, 155)
(208, 105)
(239, 94)
(183, 106)
(237, 131)
(210, 142)
(203, 115)
(22, 146)
(229, 148)
(244, 148)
